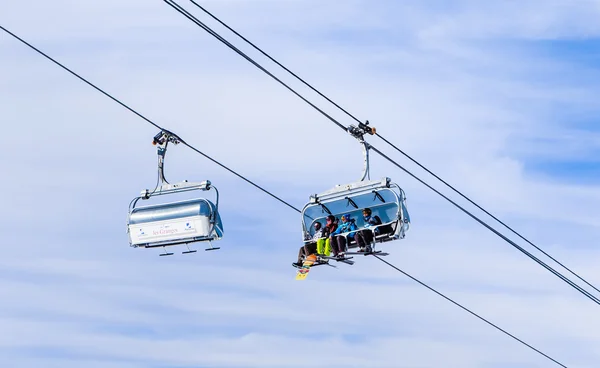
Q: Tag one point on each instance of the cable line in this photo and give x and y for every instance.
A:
(272, 195)
(476, 315)
(275, 61)
(147, 120)
(184, 12)
(489, 214)
(389, 143)
(483, 223)
(181, 10)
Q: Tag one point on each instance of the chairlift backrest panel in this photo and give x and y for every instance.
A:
(158, 212)
(173, 223)
(386, 212)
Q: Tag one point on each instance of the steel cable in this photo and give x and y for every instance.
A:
(272, 195)
(389, 143)
(209, 30)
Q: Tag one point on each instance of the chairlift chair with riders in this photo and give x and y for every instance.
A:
(385, 199)
(174, 223)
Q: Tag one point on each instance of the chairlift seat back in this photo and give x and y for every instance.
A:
(174, 223)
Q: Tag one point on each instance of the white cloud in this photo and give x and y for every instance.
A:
(518, 20)
(471, 111)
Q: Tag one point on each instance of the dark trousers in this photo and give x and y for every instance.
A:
(306, 250)
(363, 238)
(338, 244)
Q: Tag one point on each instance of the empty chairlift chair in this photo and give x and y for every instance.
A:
(174, 223)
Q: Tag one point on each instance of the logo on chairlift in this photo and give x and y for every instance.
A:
(188, 226)
(164, 230)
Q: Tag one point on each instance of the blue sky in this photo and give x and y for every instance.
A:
(498, 98)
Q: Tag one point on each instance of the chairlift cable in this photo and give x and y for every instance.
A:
(488, 213)
(185, 13)
(280, 200)
(483, 223)
(388, 142)
(275, 61)
(147, 120)
(471, 312)
(191, 17)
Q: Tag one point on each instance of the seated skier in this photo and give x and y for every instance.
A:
(309, 248)
(364, 237)
(339, 242)
(324, 243)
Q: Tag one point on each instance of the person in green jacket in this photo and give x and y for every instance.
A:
(324, 243)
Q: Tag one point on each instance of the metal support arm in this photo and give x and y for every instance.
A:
(161, 140)
(358, 133)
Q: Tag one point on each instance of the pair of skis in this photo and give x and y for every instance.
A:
(314, 260)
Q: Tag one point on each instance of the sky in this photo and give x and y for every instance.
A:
(499, 98)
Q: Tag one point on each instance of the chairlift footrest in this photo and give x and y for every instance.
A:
(207, 249)
(346, 260)
(166, 254)
(336, 258)
(189, 251)
(376, 253)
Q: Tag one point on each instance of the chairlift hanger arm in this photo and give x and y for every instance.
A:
(162, 140)
(358, 133)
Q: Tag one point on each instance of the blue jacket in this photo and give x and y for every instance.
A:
(372, 221)
(344, 227)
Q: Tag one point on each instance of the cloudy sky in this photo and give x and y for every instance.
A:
(498, 97)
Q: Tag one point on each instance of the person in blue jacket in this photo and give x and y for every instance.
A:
(364, 238)
(338, 242)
